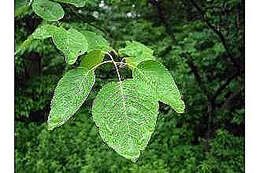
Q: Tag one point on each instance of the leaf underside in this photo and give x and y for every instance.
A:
(48, 10)
(160, 79)
(70, 93)
(126, 115)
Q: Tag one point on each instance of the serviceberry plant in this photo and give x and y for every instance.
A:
(125, 111)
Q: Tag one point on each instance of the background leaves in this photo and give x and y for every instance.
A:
(21, 6)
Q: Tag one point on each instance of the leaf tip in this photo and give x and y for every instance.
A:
(50, 128)
(181, 108)
(134, 160)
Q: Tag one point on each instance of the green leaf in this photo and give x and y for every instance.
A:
(48, 10)
(126, 114)
(137, 52)
(45, 31)
(72, 43)
(70, 93)
(96, 42)
(21, 6)
(156, 75)
(92, 59)
(76, 3)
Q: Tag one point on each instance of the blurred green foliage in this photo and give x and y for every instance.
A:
(208, 137)
(77, 147)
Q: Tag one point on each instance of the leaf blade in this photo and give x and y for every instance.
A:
(76, 3)
(137, 53)
(48, 10)
(70, 93)
(72, 43)
(92, 59)
(161, 80)
(126, 124)
(96, 42)
(45, 31)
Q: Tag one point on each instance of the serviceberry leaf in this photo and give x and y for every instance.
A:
(158, 77)
(45, 31)
(126, 114)
(137, 53)
(70, 93)
(48, 10)
(96, 42)
(76, 3)
(72, 43)
(92, 59)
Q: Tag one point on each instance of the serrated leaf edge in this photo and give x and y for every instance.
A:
(67, 118)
